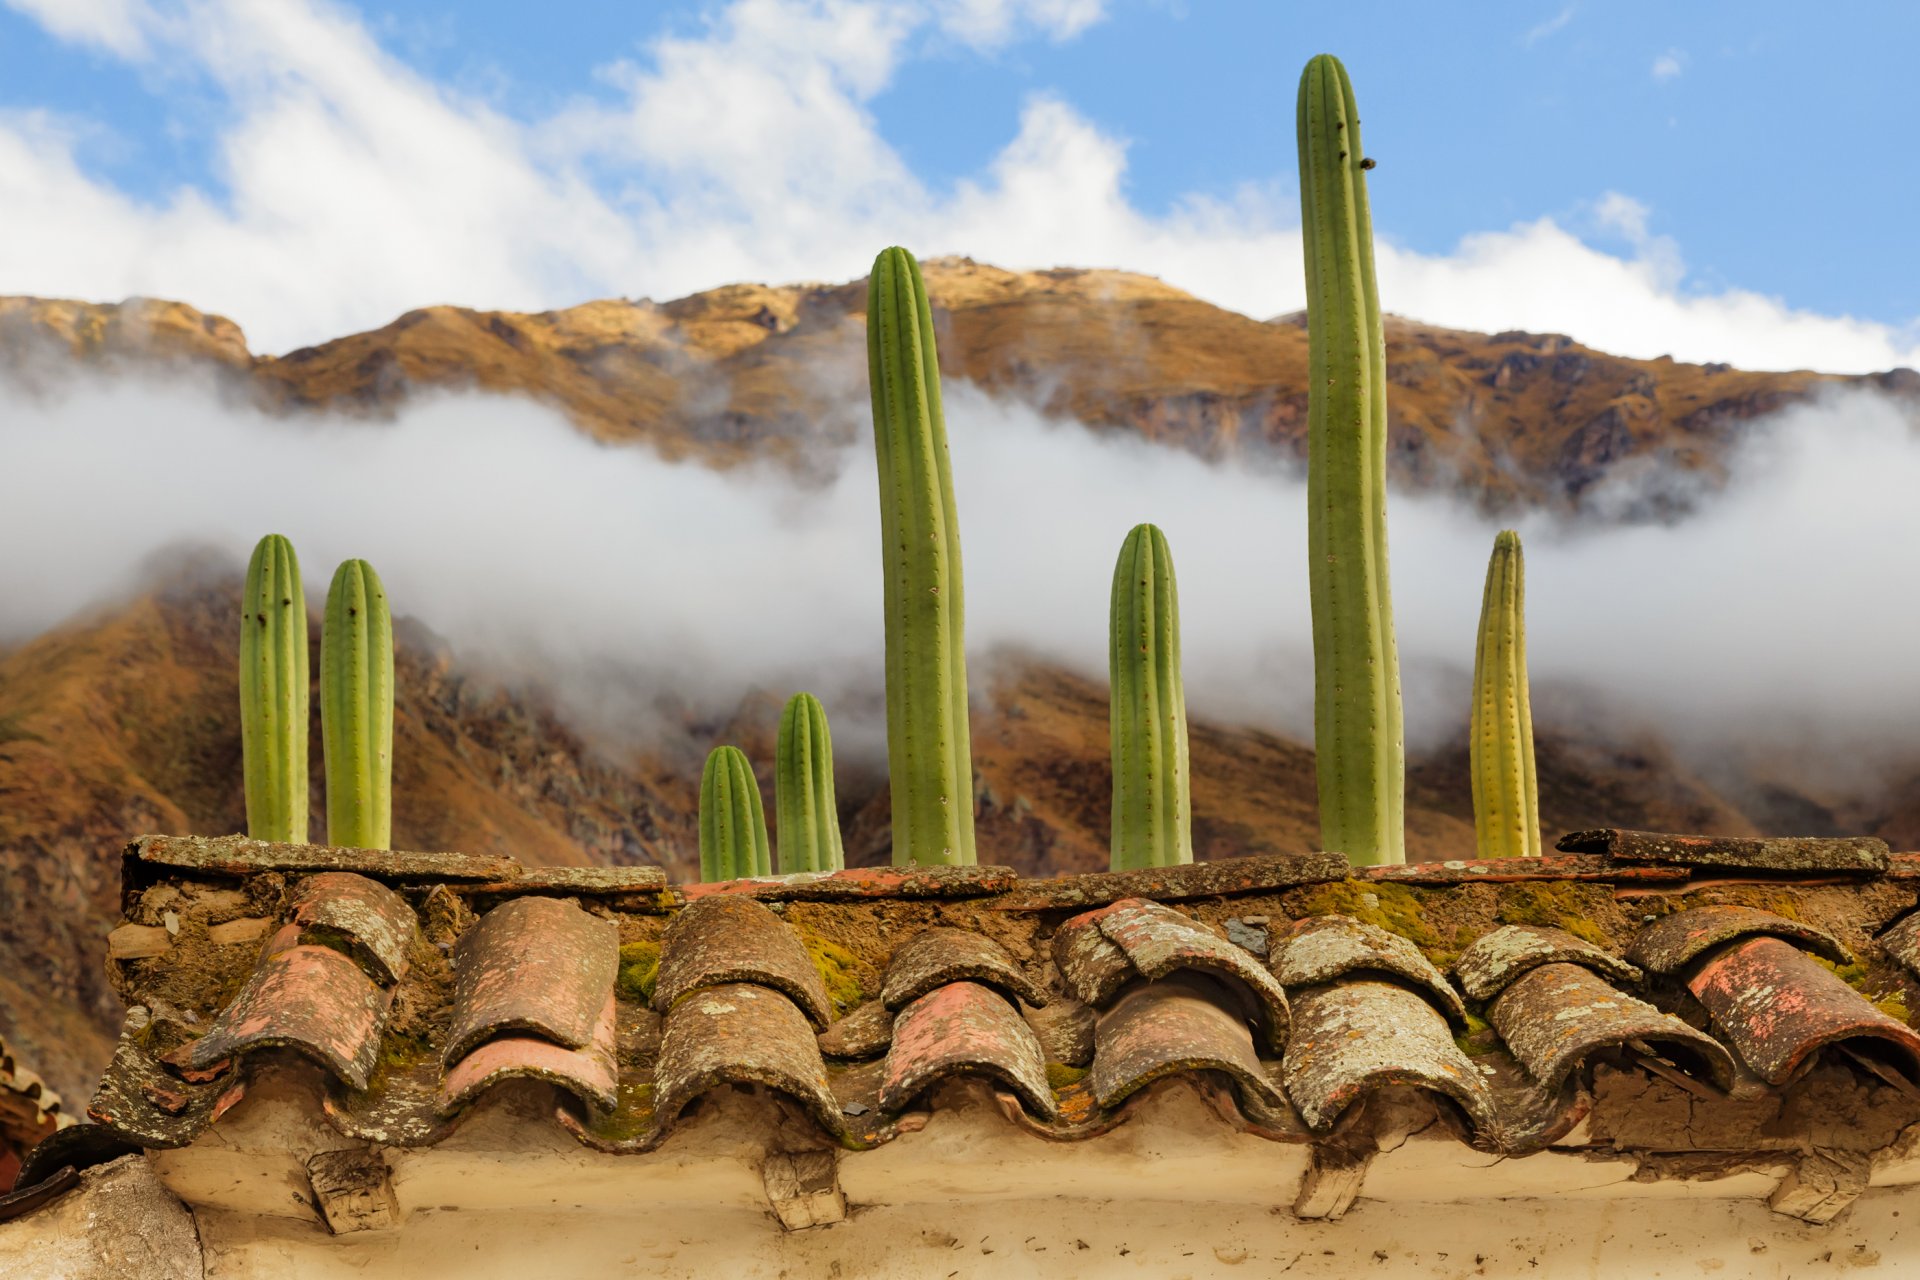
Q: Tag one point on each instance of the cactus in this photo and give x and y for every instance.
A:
(273, 693)
(733, 826)
(1506, 793)
(929, 760)
(1358, 738)
(803, 789)
(356, 708)
(1147, 715)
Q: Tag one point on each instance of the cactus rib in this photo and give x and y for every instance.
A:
(356, 708)
(1358, 737)
(1506, 790)
(803, 789)
(273, 693)
(733, 825)
(929, 758)
(1152, 818)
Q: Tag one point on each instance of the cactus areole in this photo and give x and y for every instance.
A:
(733, 824)
(356, 708)
(803, 789)
(1147, 709)
(1358, 739)
(273, 693)
(929, 759)
(1506, 792)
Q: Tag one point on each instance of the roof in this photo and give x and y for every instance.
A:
(29, 1111)
(1753, 989)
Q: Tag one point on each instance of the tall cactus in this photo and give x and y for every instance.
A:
(1147, 711)
(803, 789)
(273, 693)
(356, 708)
(733, 826)
(929, 759)
(1506, 791)
(1357, 734)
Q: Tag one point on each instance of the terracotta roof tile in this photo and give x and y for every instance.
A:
(310, 998)
(964, 1027)
(1902, 942)
(539, 965)
(935, 957)
(1324, 948)
(740, 1033)
(864, 1033)
(1180, 1023)
(1496, 959)
(1671, 943)
(1556, 1016)
(1778, 1007)
(716, 941)
(376, 918)
(587, 1072)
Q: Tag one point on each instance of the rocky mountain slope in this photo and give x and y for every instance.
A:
(125, 721)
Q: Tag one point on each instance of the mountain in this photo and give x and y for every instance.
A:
(125, 720)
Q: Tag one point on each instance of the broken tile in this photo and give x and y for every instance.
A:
(1555, 1016)
(539, 965)
(934, 957)
(1862, 855)
(1093, 965)
(1497, 958)
(374, 916)
(1671, 943)
(740, 1033)
(354, 1190)
(1175, 1025)
(723, 940)
(1320, 949)
(313, 999)
(964, 1028)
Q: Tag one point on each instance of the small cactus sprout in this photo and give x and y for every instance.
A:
(733, 826)
(1147, 714)
(1357, 734)
(1506, 792)
(929, 759)
(803, 789)
(356, 708)
(273, 693)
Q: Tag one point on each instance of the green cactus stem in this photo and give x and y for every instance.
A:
(929, 758)
(803, 789)
(1147, 709)
(1506, 791)
(1358, 737)
(356, 708)
(273, 693)
(733, 826)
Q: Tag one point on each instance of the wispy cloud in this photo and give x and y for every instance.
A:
(1541, 31)
(1670, 64)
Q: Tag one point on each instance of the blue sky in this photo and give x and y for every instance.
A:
(1716, 180)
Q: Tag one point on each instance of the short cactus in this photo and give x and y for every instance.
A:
(1147, 712)
(733, 825)
(929, 759)
(803, 789)
(273, 693)
(1506, 792)
(356, 708)
(1358, 737)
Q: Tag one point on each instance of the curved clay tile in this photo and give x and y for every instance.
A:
(1322, 948)
(1172, 1026)
(864, 1033)
(934, 957)
(1779, 1006)
(588, 1073)
(1497, 958)
(310, 998)
(1358, 1035)
(1555, 1016)
(739, 1033)
(1157, 941)
(540, 965)
(1902, 942)
(1671, 943)
(964, 1027)
(728, 939)
(374, 916)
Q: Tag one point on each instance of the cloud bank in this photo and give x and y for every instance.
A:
(351, 187)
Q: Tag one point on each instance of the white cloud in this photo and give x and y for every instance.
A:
(113, 25)
(747, 150)
(1669, 65)
(1541, 31)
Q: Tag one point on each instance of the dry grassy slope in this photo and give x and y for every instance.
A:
(752, 370)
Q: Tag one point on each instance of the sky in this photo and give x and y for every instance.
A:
(1716, 181)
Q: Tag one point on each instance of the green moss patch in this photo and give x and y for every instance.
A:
(1558, 905)
(1392, 907)
(1061, 1076)
(838, 970)
(639, 966)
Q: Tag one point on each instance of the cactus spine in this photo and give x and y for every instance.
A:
(1358, 738)
(1506, 792)
(803, 789)
(733, 826)
(356, 708)
(273, 693)
(929, 760)
(1147, 716)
